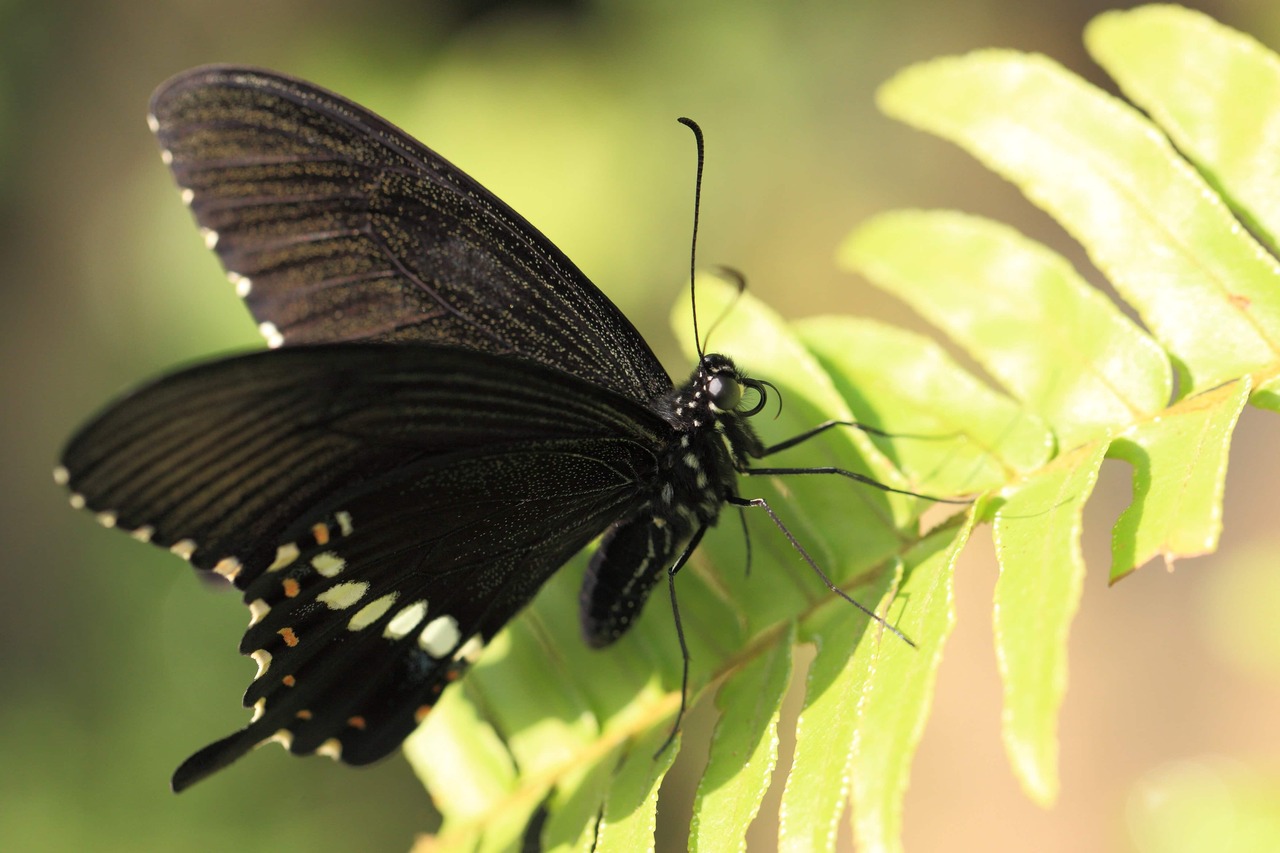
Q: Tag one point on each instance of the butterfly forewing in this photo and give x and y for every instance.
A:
(337, 226)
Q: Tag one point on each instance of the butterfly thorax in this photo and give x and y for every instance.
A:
(711, 442)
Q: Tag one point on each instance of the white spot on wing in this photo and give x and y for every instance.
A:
(328, 563)
(258, 610)
(262, 658)
(242, 284)
(153, 123)
(184, 548)
(77, 500)
(144, 533)
(284, 737)
(188, 196)
(405, 621)
(166, 156)
(272, 334)
(259, 708)
(343, 595)
(228, 567)
(210, 238)
(471, 650)
(372, 612)
(285, 555)
(107, 519)
(344, 522)
(440, 636)
(61, 475)
(332, 748)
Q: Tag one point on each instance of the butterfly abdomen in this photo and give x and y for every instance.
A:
(697, 470)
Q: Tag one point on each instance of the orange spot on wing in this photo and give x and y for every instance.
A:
(421, 714)
(288, 681)
(290, 638)
(290, 588)
(304, 714)
(321, 533)
(356, 722)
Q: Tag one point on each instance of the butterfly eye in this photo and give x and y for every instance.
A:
(725, 392)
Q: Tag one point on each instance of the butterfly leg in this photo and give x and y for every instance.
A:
(852, 475)
(818, 430)
(746, 538)
(761, 503)
(684, 646)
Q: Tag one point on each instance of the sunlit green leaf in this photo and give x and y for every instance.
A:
(744, 750)
(1037, 533)
(1268, 395)
(1214, 90)
(954, 433)
(630, 810)
(817, 789)
(466, 768)
(534, 702)
(574, 808)
(898, 695)
(1180, 465)
(1167, 243)
(1023, 313)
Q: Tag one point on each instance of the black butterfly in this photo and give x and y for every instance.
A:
(448, 411)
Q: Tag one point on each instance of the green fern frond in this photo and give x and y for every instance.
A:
(546, 728)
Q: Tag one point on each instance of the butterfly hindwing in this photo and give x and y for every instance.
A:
(384, 509)
(335, 226)
(363, 621)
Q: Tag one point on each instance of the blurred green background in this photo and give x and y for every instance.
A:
(117, 664)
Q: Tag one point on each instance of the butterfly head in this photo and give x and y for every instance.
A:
(724, 386)
(716, 394)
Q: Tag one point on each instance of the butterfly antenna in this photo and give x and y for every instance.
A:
(740, 285)
(693, 244)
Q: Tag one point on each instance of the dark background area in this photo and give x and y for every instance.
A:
(116, 663)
